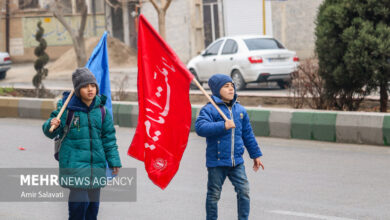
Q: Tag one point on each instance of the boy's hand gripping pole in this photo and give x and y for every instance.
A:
(62, 109)
(210, 99)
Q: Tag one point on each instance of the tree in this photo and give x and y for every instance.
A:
(353, 45)
(77, 35)
(307, 87)
(161, 7)
(161, 12)
(42, 60)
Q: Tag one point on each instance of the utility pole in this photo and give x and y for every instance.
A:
(94, 17)
(7, 25)
(264, 23)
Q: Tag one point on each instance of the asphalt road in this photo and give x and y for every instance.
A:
(302, 180)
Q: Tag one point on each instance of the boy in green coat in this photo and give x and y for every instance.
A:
(87, 146)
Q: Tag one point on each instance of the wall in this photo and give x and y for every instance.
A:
(293, 24)
(181, 25)
(23, 29)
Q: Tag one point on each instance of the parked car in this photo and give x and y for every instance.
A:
(247, 59)
(5, 64)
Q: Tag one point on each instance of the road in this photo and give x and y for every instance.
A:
(302, 180)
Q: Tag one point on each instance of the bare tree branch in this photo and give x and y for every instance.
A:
(60, 17)
(24, 3)
(76, 35)
(166, 6)
(161, 12)
(84, 14)
(155, 5)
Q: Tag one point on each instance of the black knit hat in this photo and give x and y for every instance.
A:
(81, 77)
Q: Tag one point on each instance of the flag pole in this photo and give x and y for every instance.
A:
(209, 98)
(62, 109)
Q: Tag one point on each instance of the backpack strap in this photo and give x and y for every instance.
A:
(103, 111)
(58, 140)
(69, 119)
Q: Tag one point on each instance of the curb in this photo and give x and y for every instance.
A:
(26, 107)
(331, 126)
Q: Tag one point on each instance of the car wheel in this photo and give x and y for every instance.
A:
(283, 84)
(3, 74)
(193, 86)
(238, 80)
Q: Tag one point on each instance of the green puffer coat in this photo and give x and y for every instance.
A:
(87, 146)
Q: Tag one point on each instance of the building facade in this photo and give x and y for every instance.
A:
(289, 21)
(184, 26)
(293, 23)
(18, 25)
(191, 25)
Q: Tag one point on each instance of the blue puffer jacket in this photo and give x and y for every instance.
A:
(220, 150)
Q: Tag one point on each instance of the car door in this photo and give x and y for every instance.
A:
(227, 59)
(206, 65)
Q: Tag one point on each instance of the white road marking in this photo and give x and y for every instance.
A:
(308, 215)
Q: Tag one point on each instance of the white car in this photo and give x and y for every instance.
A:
(247, 59)
(5, 64)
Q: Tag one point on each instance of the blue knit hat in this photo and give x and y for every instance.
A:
(217, 81)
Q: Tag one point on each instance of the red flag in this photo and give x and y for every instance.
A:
(164, 118)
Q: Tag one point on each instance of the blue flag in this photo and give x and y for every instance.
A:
(98, 65)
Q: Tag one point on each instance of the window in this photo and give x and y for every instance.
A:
(99, 6)
(27, 4)
(263, 44)
(230, 47)
(214, 48)
(209, 1)
(78, 6)
(75, 6)
(210, 21)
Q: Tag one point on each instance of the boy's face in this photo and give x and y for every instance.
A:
(227, 92)
(88, 92)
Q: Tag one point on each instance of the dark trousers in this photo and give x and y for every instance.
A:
(83, 204)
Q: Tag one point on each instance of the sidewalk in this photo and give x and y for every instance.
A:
(21, 74)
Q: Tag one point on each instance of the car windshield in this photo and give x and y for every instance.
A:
(262, 44)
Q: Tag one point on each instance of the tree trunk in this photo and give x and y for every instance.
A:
(161, 11)
(79, 49)
(161, 23)
(77, 36)
(383, 95)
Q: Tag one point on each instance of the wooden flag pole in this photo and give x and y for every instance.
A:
(210, 99)
(62, 109)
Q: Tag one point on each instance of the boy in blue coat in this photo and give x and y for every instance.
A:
(225, 145)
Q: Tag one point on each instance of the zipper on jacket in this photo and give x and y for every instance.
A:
(90, 145)
(232, 145)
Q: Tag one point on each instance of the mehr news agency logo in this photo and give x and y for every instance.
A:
(40, 180)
